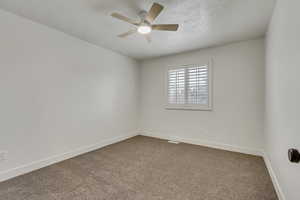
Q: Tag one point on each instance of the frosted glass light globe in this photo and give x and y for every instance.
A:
(144, 29)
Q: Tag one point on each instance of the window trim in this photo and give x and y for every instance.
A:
(208, 107)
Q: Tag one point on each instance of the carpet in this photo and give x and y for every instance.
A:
(144, 168)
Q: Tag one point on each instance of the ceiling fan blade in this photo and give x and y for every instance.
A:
(165, 27)
(154, 12)
(123, 18)
(123, 35)
(148, 38)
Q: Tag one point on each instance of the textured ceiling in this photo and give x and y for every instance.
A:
(203, 23)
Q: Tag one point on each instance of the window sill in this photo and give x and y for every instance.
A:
(187, 108)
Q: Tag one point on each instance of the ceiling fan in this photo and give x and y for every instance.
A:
(145, 25)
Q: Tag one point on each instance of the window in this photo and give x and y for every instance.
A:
(189, 87)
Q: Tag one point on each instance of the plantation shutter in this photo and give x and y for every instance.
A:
(197, 85)
(176, 86)
(188, 85)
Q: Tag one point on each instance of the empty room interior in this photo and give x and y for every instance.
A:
(149, 100)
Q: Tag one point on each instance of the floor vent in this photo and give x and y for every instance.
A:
(173, 142)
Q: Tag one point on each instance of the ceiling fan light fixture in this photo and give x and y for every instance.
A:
(144, 29)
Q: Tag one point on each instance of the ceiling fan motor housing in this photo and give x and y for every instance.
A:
(143, 15)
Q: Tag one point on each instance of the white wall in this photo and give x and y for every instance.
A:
(59, 94)
(236, 121)
(283, 95)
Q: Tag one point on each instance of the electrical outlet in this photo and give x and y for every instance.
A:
(3, 156)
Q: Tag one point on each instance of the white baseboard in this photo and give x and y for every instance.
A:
(205, 143)
(5, 175)
(274, 178)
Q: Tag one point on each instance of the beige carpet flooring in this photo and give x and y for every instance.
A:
(143, 168)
